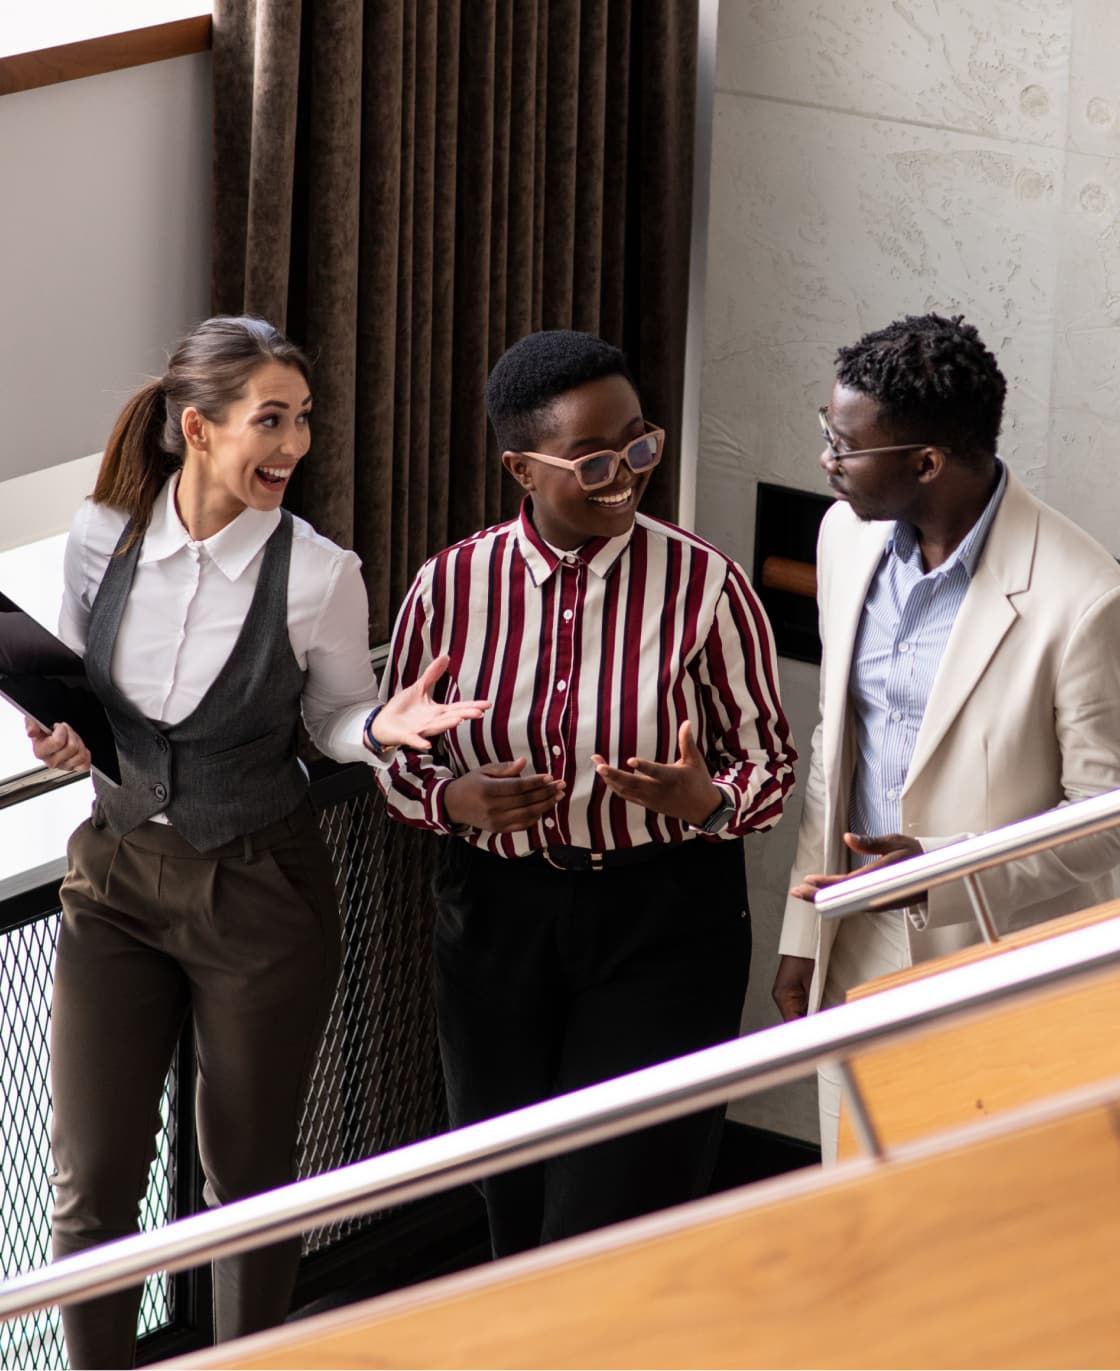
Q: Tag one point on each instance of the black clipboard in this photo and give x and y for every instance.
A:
(45, 679)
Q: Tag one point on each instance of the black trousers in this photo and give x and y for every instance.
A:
(245, 940)
(547, 981)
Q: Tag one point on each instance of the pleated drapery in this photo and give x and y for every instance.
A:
(407, 189)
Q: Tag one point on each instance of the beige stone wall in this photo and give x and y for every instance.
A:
(875, 159)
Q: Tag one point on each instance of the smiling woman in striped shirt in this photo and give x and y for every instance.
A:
(591, 898)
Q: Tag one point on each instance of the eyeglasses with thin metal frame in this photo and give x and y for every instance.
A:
(598, 469)
(830, 441)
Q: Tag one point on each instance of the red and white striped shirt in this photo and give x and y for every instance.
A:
(606, 649)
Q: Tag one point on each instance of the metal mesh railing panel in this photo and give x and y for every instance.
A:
(376, 1083)
(26, 964)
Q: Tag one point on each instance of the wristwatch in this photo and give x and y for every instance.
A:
(720, 817)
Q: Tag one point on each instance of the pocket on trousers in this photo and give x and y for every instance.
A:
(90, 854)
(303, 870)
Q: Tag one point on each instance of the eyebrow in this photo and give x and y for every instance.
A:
(283, 404)
(600, 444)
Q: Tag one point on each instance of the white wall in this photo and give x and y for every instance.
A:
(875, 160)
(104, 249)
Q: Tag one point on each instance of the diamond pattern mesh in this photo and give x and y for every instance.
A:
(26, 959)
(376, 1084)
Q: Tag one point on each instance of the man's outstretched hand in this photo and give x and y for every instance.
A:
(888, 848)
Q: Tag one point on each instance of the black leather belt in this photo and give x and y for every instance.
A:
(584, 859)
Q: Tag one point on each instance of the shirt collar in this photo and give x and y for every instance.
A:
(231, 549)
(542, 559)
(903, 541)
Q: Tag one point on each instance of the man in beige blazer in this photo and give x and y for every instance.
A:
(970, 671)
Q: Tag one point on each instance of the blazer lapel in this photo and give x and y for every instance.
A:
(983, 619)
(863, 553)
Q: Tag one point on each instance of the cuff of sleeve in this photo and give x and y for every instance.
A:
(737, 802)
(380, 756)
(918, 914)
(438, 816)
(932, 844)
(800, 930)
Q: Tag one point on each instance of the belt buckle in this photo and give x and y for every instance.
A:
(595, 861)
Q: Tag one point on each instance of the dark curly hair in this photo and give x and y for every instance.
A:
(528, 376)
(934, 380)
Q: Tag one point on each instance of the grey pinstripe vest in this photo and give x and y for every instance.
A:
(230, 766)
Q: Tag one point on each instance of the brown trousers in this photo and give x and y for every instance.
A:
(244, 939)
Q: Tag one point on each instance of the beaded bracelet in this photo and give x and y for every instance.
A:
(367, 732)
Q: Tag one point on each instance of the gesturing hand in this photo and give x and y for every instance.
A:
(889, 848)
(498, 798)
(61, 748)
(682, 789)
(411, 717)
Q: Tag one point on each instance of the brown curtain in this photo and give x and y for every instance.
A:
(408, 188)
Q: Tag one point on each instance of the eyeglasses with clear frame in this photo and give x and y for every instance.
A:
(838, 456)
(598, 469)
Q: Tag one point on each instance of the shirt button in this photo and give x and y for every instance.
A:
(561, 685)
(570, 558)
(161, 742)
(555, 750)
(896, 715)
(550, 823)
(892, 794)
(904, 647)
(567, 614)
(160, 791)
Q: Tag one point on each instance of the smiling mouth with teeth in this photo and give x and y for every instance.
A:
(619, 499)
(274, 476)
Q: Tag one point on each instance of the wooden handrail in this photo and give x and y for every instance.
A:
(784, 573)
(110, 52)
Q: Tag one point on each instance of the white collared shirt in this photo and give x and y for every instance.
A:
(188, 602)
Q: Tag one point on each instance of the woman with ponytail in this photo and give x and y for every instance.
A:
(210, 620)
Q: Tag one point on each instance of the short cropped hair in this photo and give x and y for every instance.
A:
(532, 373)
(934, 380)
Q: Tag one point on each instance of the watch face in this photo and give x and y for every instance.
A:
(717, 822)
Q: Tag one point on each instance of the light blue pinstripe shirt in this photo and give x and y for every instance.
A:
(907, 617)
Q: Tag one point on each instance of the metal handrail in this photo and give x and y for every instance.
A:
(40, 780)
(658, 1093)
(909, 879)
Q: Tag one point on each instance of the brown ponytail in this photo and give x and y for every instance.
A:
(208, 371)
(135, 466)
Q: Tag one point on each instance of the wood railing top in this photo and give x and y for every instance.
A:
(47, 66)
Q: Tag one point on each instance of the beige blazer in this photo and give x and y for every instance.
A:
(1023, 715)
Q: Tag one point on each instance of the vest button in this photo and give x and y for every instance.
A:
(160, 791)
(161, 742)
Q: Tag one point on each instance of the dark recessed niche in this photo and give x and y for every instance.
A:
(785, 557)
